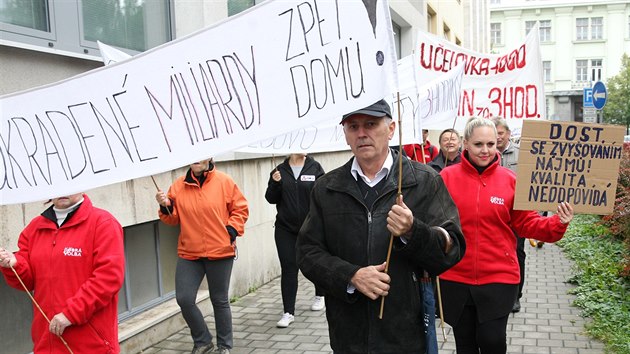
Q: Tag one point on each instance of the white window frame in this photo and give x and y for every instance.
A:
(545, 30)
(597, 30)
(596, 67)
(581, 29)
(528, 26)
(546, 67)
(581, 70)
(495, 33)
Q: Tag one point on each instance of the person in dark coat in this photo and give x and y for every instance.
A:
(450, 150)
(289, 188)
(343, 244)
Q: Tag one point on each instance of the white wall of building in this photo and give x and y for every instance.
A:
(476, 25)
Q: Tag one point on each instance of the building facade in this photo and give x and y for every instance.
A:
(581, 42)
(45, 41)
(477, 25)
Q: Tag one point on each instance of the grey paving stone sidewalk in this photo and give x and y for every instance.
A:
(546, 324)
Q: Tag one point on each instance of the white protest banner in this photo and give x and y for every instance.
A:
(509, 85)
(326, 136)
(272, 69)
(438, 101)
(431, 105)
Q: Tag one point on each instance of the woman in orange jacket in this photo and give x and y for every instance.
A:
(211, 212)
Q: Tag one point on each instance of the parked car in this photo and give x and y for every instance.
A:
(626, 139)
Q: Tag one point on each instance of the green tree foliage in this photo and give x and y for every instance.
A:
(617, 109)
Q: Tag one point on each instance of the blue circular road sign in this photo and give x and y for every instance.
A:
(599, 95)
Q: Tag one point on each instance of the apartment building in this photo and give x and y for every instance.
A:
(581, 42)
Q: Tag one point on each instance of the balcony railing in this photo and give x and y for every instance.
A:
(581, 84)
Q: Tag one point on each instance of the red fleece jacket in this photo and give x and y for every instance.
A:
(76, 269)
(485, 209)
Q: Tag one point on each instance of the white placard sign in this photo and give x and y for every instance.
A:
(270, 70)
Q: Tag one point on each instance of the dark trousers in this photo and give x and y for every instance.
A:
(285, 244)
(520, 254)
(188, 277)
(472, 337)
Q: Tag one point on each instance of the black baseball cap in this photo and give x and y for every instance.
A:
(377, 109)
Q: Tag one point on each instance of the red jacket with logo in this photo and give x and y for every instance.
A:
(76, 269)
(485, 209)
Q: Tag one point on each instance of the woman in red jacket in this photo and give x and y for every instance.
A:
(211, 211)
(478, 292)
(71, 257)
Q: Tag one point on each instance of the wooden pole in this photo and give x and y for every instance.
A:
(158, 188)
(399, 195)
(39, 308)
(437, 282)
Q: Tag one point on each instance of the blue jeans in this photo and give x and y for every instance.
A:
(188, 276)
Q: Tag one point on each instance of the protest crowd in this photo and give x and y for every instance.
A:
(414, 226)
(335, 228)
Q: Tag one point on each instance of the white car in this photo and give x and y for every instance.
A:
(626, 139)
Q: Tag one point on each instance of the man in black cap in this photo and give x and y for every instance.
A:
(343, 243)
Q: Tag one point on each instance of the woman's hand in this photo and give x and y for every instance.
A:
(58, 324)
(7, 259)
(276, 176)
(565, 212)
(162, 199)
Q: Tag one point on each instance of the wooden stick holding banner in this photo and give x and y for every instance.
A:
(39, 308)
(439, 293)
(158, 188)
(399, 195)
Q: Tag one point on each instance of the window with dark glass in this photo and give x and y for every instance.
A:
(31, 14)
(75, 26)
(137, 25)
(151, 257)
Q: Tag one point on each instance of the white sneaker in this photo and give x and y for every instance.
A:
(286, 320)
(318, 304)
